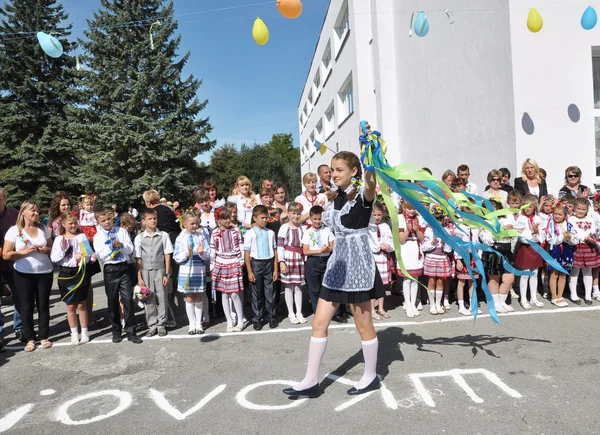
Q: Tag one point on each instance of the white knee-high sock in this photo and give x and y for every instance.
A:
(298, 299)
(587, 282)
(438, 298)
(232, 305)
(523, 288)
(406, 292)
(414, 293)
(227, 308)
(198, 313)
(316, 350)
(189, 309)
(369, 349)
(573, 283)
(236, 298)
(289, 298)
(533, 285)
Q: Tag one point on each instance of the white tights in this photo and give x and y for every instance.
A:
(410, 291)
(533, 284)
(587, 282)
(229, 301)
(293, 293)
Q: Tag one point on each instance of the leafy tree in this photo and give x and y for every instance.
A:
(138, 122)
(277, 159)
(35, 161)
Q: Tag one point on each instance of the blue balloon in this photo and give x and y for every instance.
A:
(589, 18)
(421, 24)
(50, 44)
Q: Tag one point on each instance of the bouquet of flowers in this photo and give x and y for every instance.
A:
(141, 293)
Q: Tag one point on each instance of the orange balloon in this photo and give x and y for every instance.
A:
(290, 8)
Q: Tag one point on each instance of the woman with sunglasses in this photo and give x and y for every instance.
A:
(573, 184)
(495, 192)
(531, 182)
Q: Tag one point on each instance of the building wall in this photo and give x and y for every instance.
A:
(551, 70)
(455, 87)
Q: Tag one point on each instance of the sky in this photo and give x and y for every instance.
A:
(253, 90)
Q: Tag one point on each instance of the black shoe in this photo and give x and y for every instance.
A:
(273, 324)
(576, 301)
(162, 332)
(192, 332)
(588, 302)
(308, 393)
(339, 319)
(151, 333)
(258, 326)
(117, 338)
(134, 339)
(374, 385)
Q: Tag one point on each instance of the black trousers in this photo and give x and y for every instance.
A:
(315, 271)
(263, 293)
(32, 288)
(117, 283)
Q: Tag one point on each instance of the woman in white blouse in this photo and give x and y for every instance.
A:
(28, 245)
(244, 199)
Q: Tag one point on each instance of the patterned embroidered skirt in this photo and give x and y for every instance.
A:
(413, 272)
(227, 274)
(381, 261)
(294, 262)
(80, 294)
(356, 297)
(563, 254)
(437, 265)
(463, 274)
(527, 258)
(585, 256)
(191, 276)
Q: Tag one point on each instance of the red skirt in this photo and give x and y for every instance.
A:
(585, 256)
(527, 258)
(413, 272)
(89, 231)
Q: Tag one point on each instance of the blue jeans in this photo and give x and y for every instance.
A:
(7, 277)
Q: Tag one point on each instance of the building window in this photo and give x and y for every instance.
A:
(326, 63)
(305, 113)
(319, 131)
(317, 86)
(342, 28)
(346, 100)
(329, 124)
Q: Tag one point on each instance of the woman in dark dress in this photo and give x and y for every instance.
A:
(531, 182)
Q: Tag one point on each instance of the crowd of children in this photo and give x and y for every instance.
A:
(270, 245)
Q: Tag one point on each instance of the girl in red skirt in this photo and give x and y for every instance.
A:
(438, 265)
(291, 262)
(531, 227)
(382, 245)
(586, 252)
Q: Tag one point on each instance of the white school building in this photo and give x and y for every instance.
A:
(480, 88)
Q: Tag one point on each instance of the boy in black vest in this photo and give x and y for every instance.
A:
(153, 250)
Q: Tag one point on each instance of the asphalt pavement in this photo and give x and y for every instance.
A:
(537, 373)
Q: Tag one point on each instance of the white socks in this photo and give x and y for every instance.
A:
(293, 293)
(198, 312)
(588, 280)
(75, 331)
(533, 283)
(189, 309)
(369, 349)
(226, 308)
(438, 298)
(316, 350)
(84, 331)
(239, 308)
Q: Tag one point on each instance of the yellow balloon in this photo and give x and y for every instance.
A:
(534, 21)
(290, 8)
(260, 33)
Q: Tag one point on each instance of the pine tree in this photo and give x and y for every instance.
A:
(35, 161)
(137, 122)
